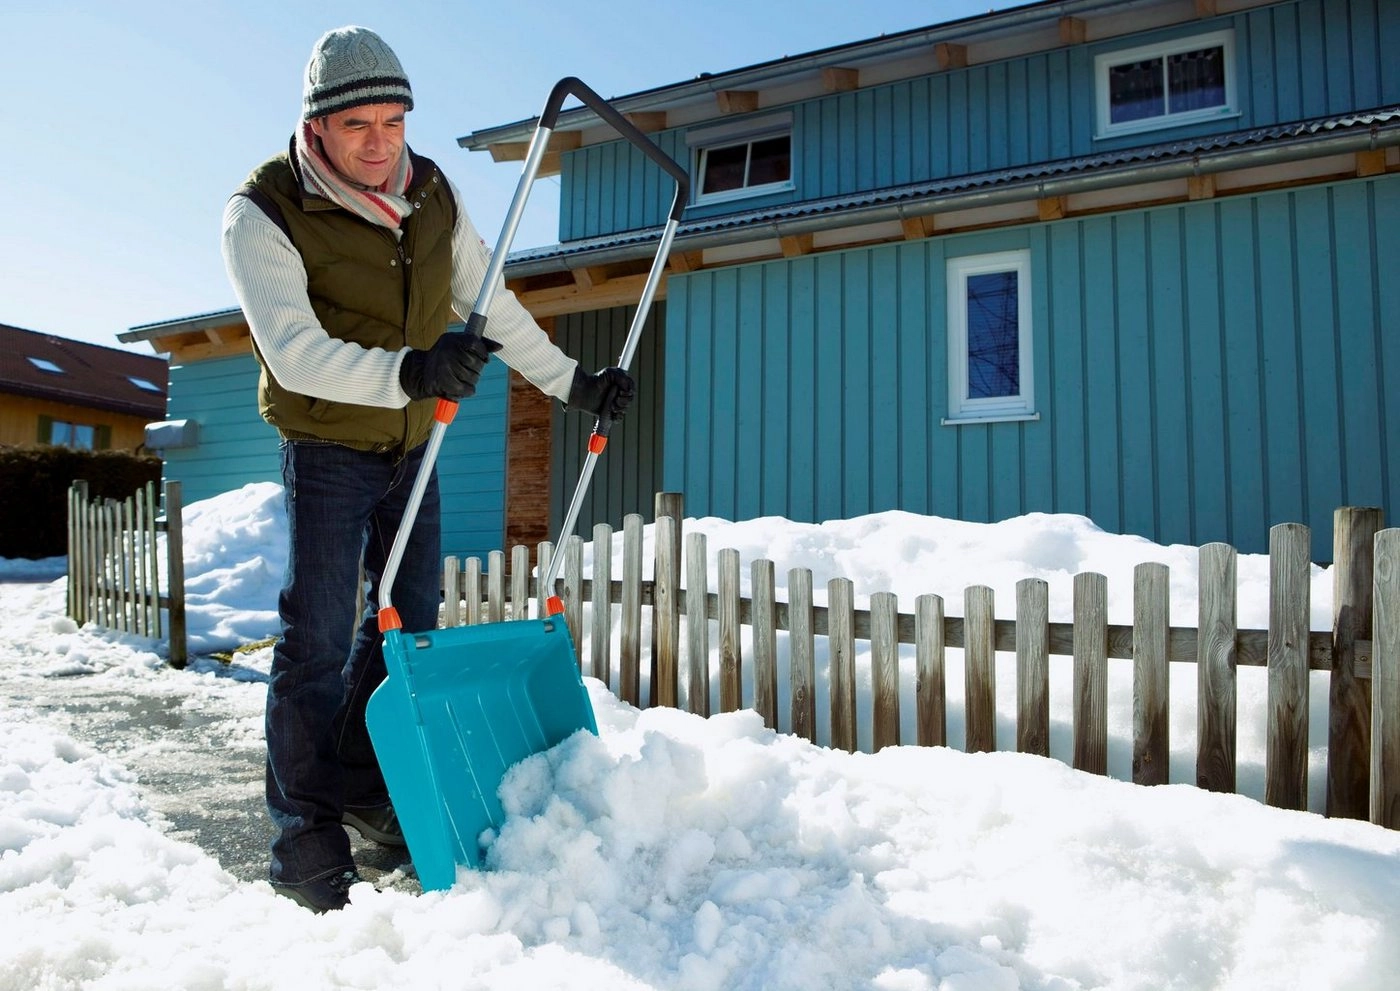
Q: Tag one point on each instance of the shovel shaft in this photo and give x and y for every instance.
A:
(476, 323)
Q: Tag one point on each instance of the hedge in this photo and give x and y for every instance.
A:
(34, 483)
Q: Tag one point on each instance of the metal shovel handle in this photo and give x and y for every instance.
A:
(476, 322)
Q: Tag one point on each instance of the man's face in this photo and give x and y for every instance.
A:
(363, 143)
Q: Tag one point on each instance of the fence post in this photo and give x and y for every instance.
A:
(1354, 532)
(496, 586)
(1286, 760)
(1385, 682)
(884, 669)
(765, 642)
(802, 654)
(1033, 666)
(573, 591)
(519, 582)
(731, 651)
(841, 638)
(1215, 669)
(630, 638)
(1151, 674)
(697, 625)
(666, 616)
(175, 550)
(666, 606)
(600, 627)
(1091, 672)
(979, 655)
(930, 690)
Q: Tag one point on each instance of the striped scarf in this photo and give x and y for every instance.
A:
(385, 206)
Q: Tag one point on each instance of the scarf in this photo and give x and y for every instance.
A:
(385, 206)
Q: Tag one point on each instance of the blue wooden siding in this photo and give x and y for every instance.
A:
(1201, 372)
(1293, 61)
(237, 447)
(628, 474)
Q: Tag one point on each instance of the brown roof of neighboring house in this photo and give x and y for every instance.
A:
(43, 366)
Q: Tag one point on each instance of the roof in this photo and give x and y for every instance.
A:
(1210, 153)
(1017, 18)
(42, 366)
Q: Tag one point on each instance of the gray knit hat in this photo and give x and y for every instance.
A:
(350, 67)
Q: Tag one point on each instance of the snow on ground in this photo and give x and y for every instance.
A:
(675, 852)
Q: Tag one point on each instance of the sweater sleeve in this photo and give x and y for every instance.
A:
(524, 346)
(269, 279)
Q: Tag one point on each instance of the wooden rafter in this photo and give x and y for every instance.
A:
(836, 79)
(1073, 31)
(947, 55)
(737, 101)
(796, 244)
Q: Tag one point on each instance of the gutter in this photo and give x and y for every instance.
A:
(821, 215)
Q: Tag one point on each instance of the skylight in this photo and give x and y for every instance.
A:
(44, 365)
(143, 384)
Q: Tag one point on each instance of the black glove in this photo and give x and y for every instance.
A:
(449, 369)
(605, 394)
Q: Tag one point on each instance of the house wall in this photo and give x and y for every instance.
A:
(1201, 371)
(628, 473)
(1294, 61)
(237, 447)
(19, 421)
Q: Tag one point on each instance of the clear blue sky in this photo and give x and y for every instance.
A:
(127, 123)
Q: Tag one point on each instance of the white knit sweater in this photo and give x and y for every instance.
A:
(270, 281)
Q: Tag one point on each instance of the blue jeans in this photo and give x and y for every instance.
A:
(343, 508)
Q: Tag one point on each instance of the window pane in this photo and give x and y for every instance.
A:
(724, 168)
(993, 336)
(771, 161)
(1136, 91)
(83, 436)
(1196, 80)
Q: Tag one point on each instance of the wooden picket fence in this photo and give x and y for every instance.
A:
(1361, 652)
(114, 564)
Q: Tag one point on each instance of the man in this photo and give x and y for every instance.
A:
(349, 255)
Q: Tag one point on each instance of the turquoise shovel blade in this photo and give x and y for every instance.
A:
(459, 707)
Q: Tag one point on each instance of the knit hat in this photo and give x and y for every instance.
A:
(351, 67)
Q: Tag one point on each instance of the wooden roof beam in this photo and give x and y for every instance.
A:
(515, 151)
(836, 79)
(918, 227)
(686, 261)
(794, 245)
(647, 121)
(737, 101)
(947, 55)
(1073, 31)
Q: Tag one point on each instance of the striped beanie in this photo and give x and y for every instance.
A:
(351, 67)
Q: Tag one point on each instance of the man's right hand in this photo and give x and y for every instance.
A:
(449, 369)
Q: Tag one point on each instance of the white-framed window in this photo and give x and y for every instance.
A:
(1163, 85)
(747, 158)
(989, 337)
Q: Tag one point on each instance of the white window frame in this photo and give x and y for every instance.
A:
(738, 132)
(1106, 60)
(962, 408)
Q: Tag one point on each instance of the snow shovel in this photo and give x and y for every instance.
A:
(460, 706)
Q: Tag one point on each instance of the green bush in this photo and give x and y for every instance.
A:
(34, 483)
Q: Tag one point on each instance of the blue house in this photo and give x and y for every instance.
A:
(1133, 260)
(1122, 258)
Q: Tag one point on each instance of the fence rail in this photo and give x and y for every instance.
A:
(114, 564)
(1361, 652)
